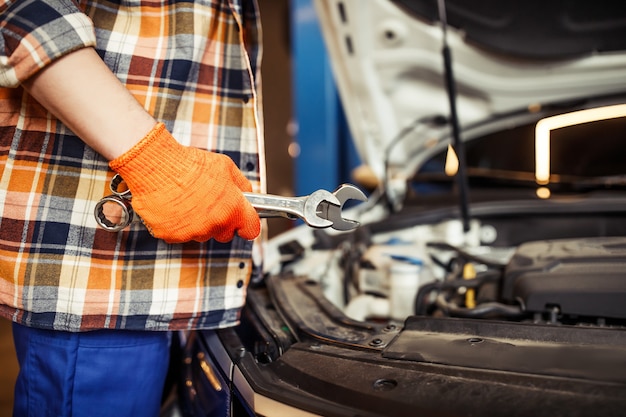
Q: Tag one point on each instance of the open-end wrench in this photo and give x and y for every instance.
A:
(320, 209)
(305, 208)
(333, 212)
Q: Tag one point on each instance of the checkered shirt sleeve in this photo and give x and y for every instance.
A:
(193, 65)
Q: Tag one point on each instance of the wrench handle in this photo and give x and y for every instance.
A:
(268, 205)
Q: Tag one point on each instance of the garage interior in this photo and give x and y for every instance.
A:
(308, 148)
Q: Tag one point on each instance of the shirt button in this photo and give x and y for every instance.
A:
(250, 166)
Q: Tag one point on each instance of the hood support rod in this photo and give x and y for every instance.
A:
(458, 145)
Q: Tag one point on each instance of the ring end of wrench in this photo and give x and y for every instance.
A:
(126, 213)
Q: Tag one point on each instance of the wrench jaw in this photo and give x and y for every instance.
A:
(310, 212)
(333, 212)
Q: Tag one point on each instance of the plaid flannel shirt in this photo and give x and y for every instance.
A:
(193, 65)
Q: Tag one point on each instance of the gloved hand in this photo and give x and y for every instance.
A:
(184, 193)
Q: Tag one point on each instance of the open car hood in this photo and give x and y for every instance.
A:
(506, 57)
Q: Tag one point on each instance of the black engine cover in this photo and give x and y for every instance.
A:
(582, 277)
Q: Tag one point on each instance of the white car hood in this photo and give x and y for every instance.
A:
(389, 68)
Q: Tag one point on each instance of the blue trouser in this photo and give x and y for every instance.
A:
(104, 373)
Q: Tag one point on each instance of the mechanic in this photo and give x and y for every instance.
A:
(165, 94)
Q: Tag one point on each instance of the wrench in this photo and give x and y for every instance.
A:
(121, 197)
(305, 208)
(333, 213)
(320, 209)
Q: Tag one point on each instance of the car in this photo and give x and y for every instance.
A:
(488, 274)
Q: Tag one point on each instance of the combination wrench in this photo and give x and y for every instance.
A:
(320, 209)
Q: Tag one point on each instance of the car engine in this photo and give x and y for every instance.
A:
(437, 270)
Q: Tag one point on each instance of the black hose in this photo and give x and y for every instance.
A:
(465, 255)
(423, 292)
(420, 308)
(484, 310)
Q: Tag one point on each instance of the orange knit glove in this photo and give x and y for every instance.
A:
(184, 193)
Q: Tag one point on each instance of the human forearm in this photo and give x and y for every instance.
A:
(85, 95)
(82, 92)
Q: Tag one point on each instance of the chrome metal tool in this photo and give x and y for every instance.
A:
(320, 209)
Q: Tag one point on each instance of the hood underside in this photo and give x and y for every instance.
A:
(507, 57)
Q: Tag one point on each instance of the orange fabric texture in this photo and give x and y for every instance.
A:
(184, 193)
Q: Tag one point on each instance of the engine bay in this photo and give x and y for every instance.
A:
(438, 270)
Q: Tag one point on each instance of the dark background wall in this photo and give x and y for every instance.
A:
(277, 97)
